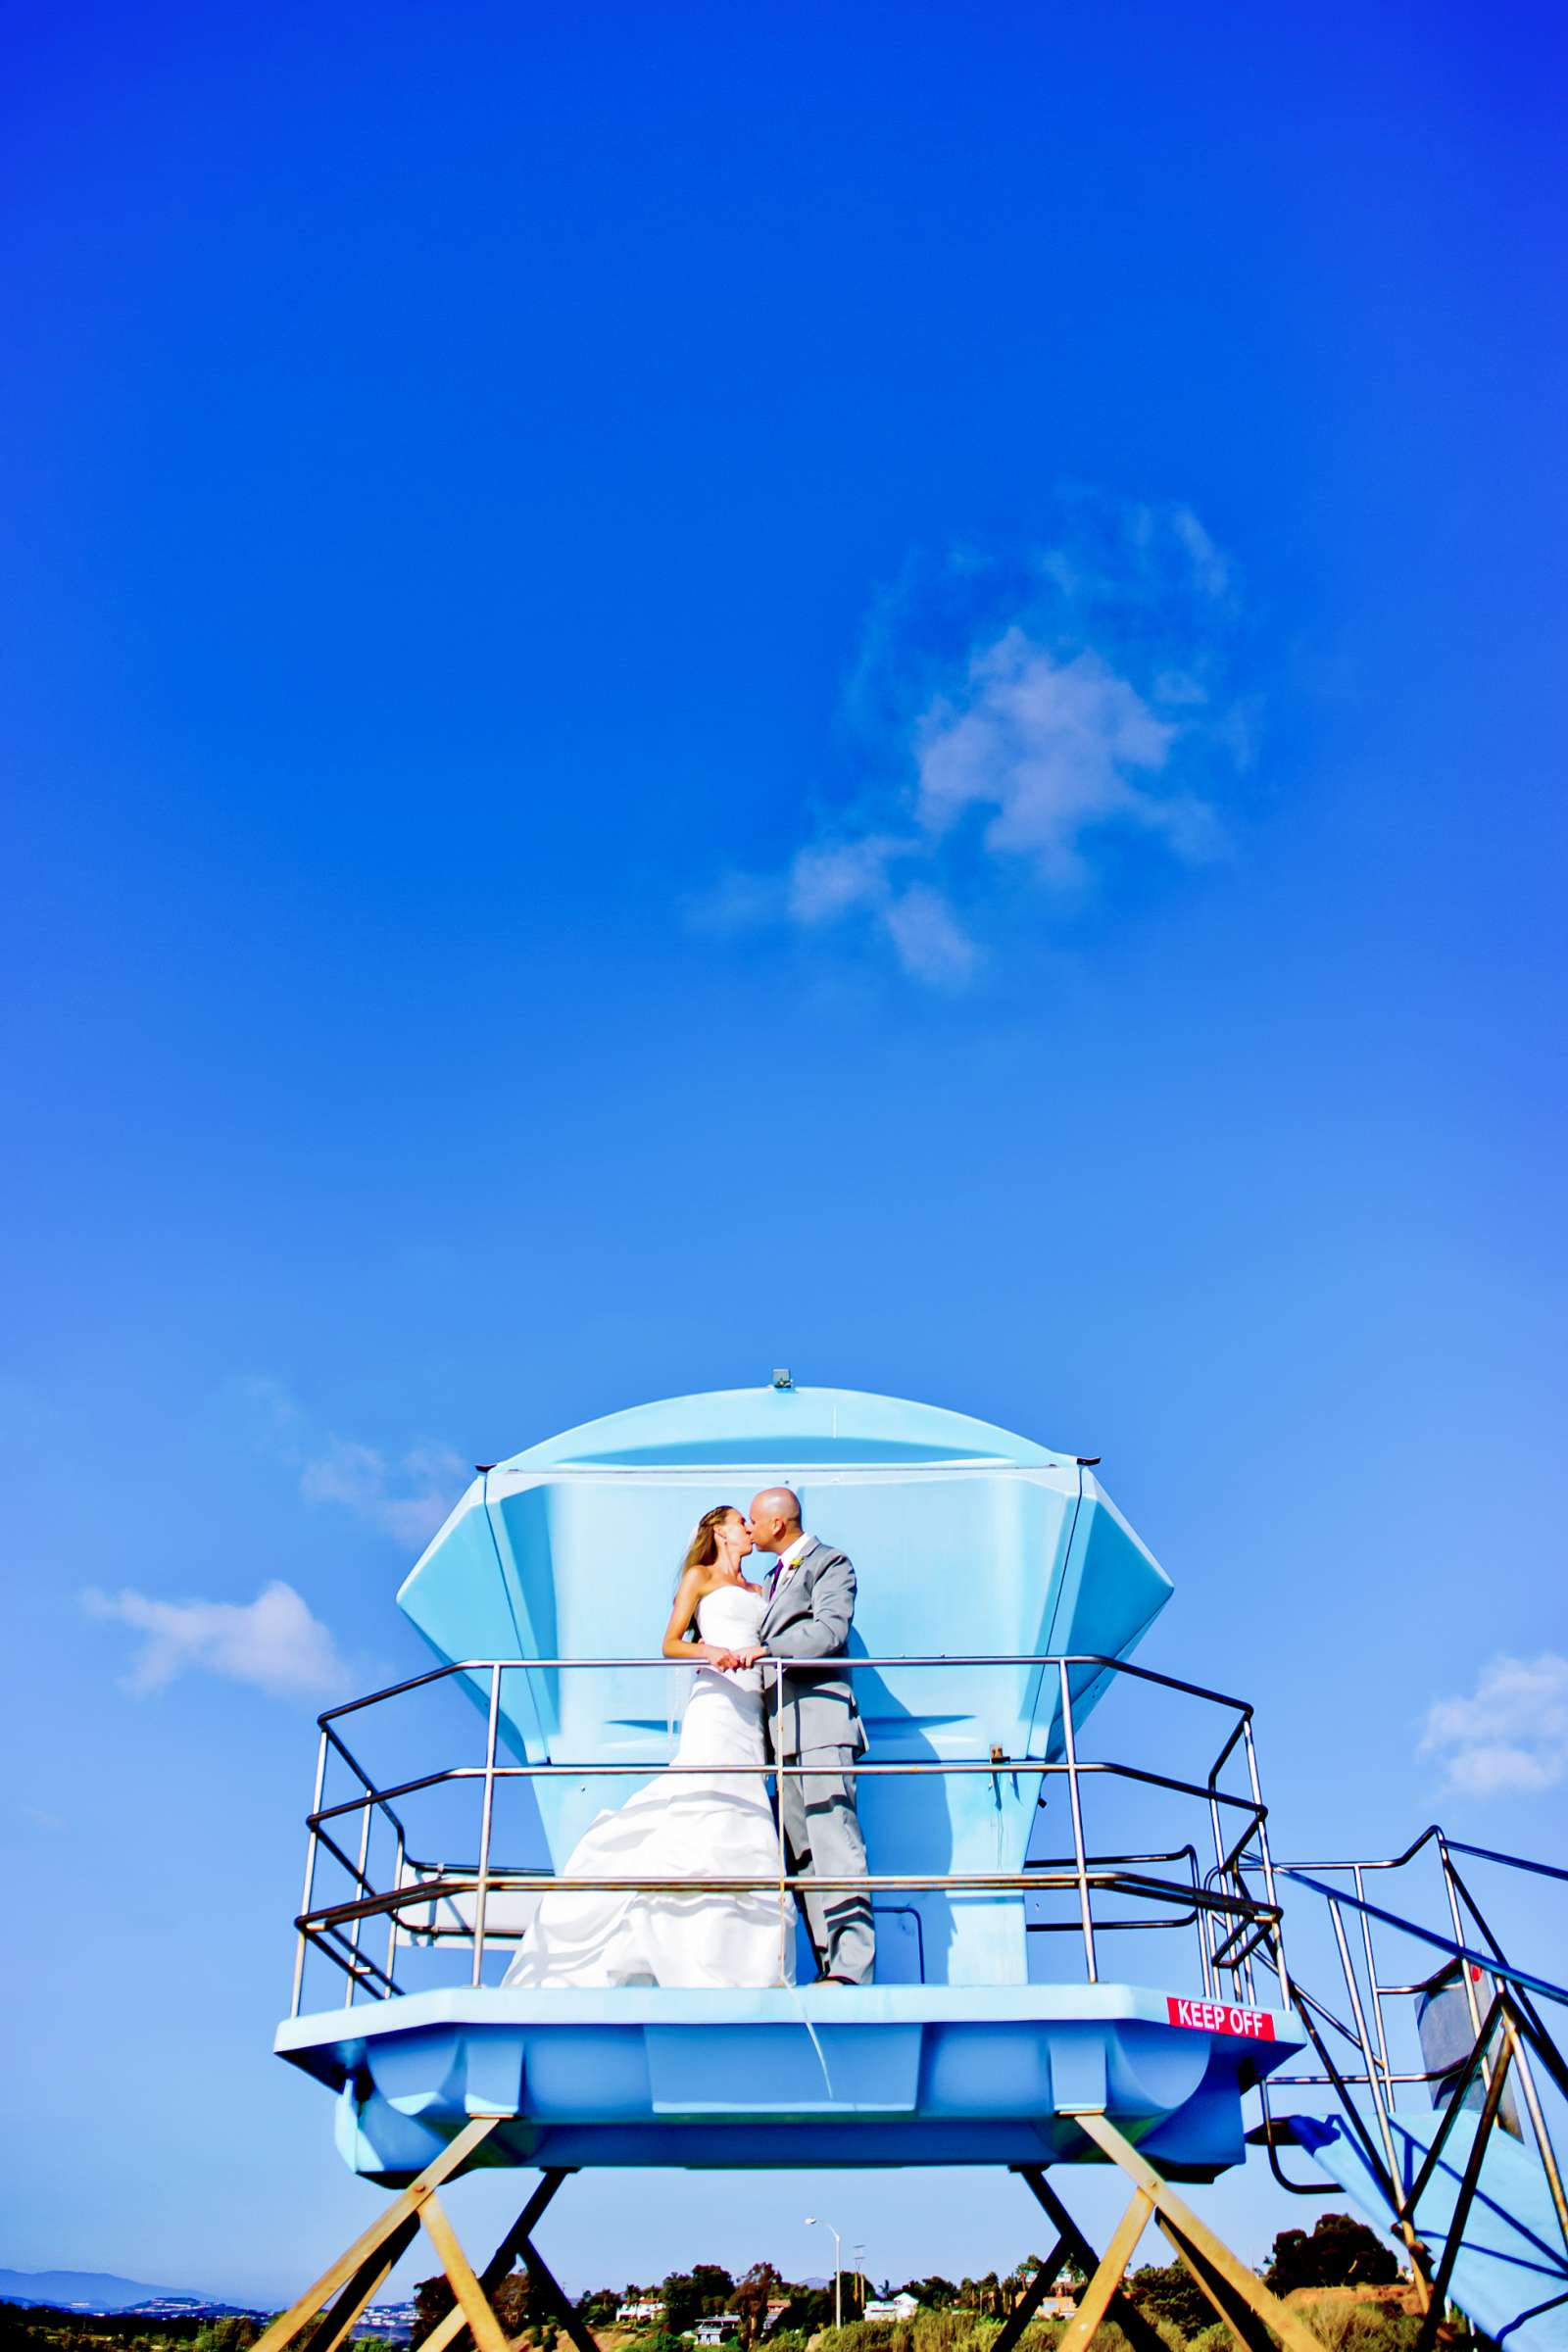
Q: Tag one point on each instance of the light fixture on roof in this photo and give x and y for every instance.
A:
(783, 1377)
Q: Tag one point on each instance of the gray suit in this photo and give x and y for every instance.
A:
(813, 1719)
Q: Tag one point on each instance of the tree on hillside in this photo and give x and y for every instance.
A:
(932, 2294)
(432, 2300)
(519, 2304)
(236, 2331)
(598, 2306)
(1169, 2291)
(1340, 2252)
(695, 2294)
(761, 2286)
(809, 2308)
(1033, 2264)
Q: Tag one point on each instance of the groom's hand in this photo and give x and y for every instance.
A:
(726, 1660)
(748, 1657)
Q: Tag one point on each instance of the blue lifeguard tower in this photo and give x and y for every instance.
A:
(1000, 1596)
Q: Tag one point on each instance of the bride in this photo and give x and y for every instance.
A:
(689, 1824)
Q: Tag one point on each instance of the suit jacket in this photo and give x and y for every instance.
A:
(809, 1617)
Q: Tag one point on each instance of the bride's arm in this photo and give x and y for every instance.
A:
(687, 1592)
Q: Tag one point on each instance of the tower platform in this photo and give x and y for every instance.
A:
(1000, 1595)
(829, 2074)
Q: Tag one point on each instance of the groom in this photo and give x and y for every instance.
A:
(813, 1720)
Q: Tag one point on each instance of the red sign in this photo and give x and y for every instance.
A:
(1220, 2017)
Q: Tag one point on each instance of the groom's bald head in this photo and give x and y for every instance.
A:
(775, 1518)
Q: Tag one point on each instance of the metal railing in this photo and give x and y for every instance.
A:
(1507, 2030)
(425, 1901)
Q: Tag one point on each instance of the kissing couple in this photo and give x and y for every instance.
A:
(765, 1693)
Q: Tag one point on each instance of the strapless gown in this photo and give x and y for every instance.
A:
(683, 1825)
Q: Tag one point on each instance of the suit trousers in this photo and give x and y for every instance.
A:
(822, 1839)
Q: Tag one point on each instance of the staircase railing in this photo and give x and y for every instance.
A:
(1506, 2034)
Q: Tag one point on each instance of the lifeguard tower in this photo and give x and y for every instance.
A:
(1012, 1855)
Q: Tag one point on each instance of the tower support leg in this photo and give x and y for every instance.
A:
(1029, 2302)
(337, 2323)
(349, 2283)
(1105, 2286)
(1221, 2273)
(477, 2309)
(1140, 2334)
(1239, 2316)
(452, 2330)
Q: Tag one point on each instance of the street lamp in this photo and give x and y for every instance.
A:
(859, 2252)
(812, 2222)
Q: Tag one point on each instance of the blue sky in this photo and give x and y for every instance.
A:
(691, 692)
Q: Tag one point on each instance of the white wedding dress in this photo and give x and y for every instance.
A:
(689, 1824)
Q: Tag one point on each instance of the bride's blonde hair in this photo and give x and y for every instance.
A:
(702, 1550)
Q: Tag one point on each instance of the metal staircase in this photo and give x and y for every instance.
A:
(1449, 2148)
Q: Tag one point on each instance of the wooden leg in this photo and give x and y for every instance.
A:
(555, 2295)
(1106, 2285)
(502, 2262)
(488, 2334)
(1140, 2332)
(337, 2322)
(361, 2255)
(1189, 2235)
(1244, 2323)
(1029, 2302)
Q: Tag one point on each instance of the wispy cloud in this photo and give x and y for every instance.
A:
(406, 1492)
(1511, 1737)
(1011, 718)
(273, 1642)
(37, 1818)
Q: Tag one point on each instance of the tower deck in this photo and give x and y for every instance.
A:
(829, 2074)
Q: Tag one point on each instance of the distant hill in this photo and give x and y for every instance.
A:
(93, 2290)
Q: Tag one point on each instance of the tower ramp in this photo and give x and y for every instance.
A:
(1511, 2277)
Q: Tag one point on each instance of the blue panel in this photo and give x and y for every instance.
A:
(799, 1425)
(909, 2074)
(966, 1539)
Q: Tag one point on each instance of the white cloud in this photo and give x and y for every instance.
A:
(273, 1642)
(1053, 749)
(274, 1417)
(839, 878)
(927, 937)
(37, 1818)
(1018, 716)
(1511, 1737)
(407, 1495)
(833, 877)
(1210, 572)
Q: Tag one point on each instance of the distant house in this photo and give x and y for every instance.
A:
(643, 2313)
(887, 2308)
(718, 2329)
(1060, 2299)
(778, 2306)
